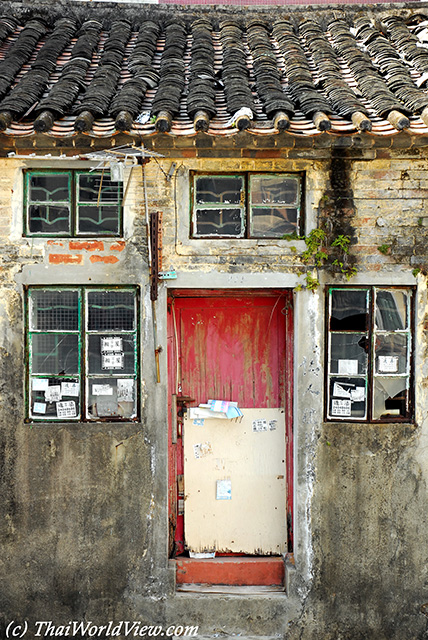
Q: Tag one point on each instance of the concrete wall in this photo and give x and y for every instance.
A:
(84, 506)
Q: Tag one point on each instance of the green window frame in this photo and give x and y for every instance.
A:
(369, 353)
(83, 346)
(72, 203)
(246, 205)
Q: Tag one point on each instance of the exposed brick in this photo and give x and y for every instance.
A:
(86, 245)
(54, 243)
(65, 258)
(118, 246)
(187, 153)
(105, 259)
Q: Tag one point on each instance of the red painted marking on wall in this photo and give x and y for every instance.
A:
(237, 571)
(65, 258)
(86, 245)
(105, 259)
(118, 246)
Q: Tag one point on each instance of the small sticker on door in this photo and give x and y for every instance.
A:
(202, 449)
(260, 425)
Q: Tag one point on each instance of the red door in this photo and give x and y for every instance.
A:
(234, 347)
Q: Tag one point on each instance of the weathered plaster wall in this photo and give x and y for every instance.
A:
(83, 516)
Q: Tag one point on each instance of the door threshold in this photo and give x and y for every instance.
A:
(228, 589)
(236, 571)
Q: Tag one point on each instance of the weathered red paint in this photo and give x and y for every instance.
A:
(253, 365)
(118, 246)
(65, 258)
(232, 571)
(105, 259)
(86, 245)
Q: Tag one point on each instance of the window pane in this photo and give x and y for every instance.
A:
(267, 190)
(348, 353)
(54, 353)
(55, 398)
(391, 397)
(48, 218)
(348, 398)
(349, 310)
(102, 219)
(98, 188)
(54, 310)
(391, 310)
(111, 311)
(111, 354)
(219, 189)
(219, 222)
(273, 222)
(112, 398)
(391, 353)
(49, 187)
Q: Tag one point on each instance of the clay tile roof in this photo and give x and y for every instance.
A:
(104, 69)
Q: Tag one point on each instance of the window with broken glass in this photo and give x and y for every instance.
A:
(72, 203)
(83, 346)
(370, 337)
(256, 205)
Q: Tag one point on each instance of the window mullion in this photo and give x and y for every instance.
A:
(371, 332)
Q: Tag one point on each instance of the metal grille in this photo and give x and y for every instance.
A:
(54, 310)
(111, 311)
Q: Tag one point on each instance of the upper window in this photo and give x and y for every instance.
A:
(83, 346)
(263, 205)
(370, 337)
(72, 203)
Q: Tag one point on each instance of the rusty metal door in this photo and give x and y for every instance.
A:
(234, 348)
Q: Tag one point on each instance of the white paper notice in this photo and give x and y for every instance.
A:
(349, 367)
(125, 390)
(112, 361)
(102, 390)
(341, 391)
(341, 407)
(358, 394)
(224, 490)
(39, 407)
(70, 388)
(66, 409)
(111, 344)
(388, 364)
(53, 394)
(272, 425)
(40, 384)
(260, 425)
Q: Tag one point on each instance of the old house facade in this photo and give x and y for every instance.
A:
(214, 319)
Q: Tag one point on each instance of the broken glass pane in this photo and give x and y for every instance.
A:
(112, 398)
(111, 354)
(349, 310)
(111, 310)
(266, 190)
(347, 398)
(54, 310)
(348, 353)
(55, 398)
(391, 397)
(391, 353)
(268, 223)
(219, 222)
(391, 310)
(54, 353)
(219, 189)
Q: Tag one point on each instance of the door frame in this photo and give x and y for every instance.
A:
(175, 449)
